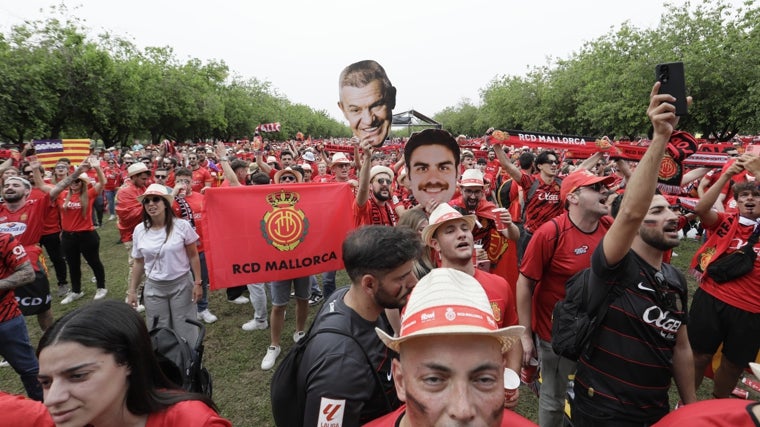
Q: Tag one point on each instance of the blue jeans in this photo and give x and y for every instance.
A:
(328, 283)
(111, 198)
(17, 350)
(203, 302)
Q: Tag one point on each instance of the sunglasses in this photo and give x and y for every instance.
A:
(129, 163)
(598, 187)
(343, 165)
(290, 178)
(551, 162)
(160, 176)
(28, 172)
(154, 199)
(383, 181)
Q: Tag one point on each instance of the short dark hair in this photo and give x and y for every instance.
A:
(116, 329)
(526, 160)
(543, 157)
(745, 186)
(360, 74)
(259, 178)
(378, 249)
(238, 164)
(183, 172)
(431, 137)
(286, 153)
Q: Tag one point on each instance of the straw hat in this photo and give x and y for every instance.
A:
(287, 171)
(157, 190)
(440, 215)
(472, 178)
(449, 302)
(137, 168)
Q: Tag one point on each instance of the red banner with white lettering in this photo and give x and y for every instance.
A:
(261, 233)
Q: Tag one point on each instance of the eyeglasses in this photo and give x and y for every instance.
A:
(154, 199)
(383, 181)
(290, 178)
(343, 165)
(160, 176)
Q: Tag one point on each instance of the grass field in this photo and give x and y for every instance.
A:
(233, 356)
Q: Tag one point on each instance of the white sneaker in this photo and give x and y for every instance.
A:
(93, 279)
(297, 335)
(4, 363)
(140, 308)
(71, 297)
(112, 217)
(239, 300)
(100, 293)
(255, 325)
(207, 316)
(271, 356)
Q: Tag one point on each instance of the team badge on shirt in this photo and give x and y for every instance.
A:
(285, 226)
(331, 412)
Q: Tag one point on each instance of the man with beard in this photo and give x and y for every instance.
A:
(24, 220)
(450, 234)
(201, 176)
(341, 386)
(541, 192)
(432, 162)
(641, 345)
(367, 99)
(562, 247)
(373, 204)
(486, 232)
(727, 312)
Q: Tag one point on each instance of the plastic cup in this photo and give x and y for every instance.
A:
(529, 373)
(511, 383)
(497, 213)
(475, 248)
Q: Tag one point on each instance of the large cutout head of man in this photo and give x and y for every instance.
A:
(367, 99)
(432, 162)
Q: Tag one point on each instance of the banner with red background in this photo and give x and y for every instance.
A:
(261, 233)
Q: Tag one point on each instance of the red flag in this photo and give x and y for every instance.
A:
(48, 151)
(270, 232)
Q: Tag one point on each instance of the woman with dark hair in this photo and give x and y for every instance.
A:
(416, 220)
(165, 247)
(78, 237)
(97, 369)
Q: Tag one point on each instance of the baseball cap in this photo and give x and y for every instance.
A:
(581, 178)
(449, 302)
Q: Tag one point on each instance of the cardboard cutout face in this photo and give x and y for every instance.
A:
(367, 98)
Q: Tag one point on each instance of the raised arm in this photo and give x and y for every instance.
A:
(511, 169)
(643, 182)
(704, 207)
(65, 182)
(362, 194)
(224, 161)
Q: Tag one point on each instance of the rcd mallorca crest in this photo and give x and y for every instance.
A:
(285, 226)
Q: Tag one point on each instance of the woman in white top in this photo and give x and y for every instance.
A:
(165, 248)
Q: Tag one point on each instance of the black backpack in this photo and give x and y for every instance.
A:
(576, 318)
(287, 394)
(181, 362)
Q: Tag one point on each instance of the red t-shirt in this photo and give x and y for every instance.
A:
(26, 225)
(551, 258)
(50, 223)
(501, 296)
(743, 292)
(373, 214)
(113, 178)
(201, 176)
(712, 413)
(20, 411)
(12, 255)
(71, 211)
(195, 201)
(545, 203)
(510, 419)
(188, 413)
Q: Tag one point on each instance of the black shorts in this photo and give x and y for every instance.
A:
(35, 297)
(712, 322)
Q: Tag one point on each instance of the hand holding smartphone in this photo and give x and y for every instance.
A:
(672, 81)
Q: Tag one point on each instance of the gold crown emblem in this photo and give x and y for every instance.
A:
(283, 198)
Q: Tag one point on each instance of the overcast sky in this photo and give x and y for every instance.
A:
(435, 52)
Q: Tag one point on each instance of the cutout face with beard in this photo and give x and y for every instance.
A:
(432, 174)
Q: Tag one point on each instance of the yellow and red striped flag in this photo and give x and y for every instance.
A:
(48, 151)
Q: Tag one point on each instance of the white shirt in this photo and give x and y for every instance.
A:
(164, 261)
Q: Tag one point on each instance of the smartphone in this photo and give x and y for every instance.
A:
(672, 80)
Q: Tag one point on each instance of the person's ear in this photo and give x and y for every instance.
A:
(368, 284)
(398, 379)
